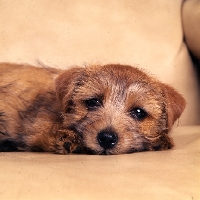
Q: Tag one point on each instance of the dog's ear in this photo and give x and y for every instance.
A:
(66, 83)
(175, 104)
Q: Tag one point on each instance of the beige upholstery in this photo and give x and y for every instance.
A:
(191, 24)
(172, 174)
(148, 34)
(62, 33)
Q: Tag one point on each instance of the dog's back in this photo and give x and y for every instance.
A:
(26, 96)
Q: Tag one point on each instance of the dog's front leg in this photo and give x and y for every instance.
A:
(68, 142)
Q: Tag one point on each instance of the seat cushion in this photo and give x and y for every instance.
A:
(171, 174)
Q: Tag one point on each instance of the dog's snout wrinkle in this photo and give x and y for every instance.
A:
(107, 139)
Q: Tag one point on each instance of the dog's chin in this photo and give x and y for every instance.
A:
(90, 151)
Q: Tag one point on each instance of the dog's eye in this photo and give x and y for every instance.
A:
(138, 113)
(93, 103)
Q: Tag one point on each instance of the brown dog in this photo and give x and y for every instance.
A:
(111, 109)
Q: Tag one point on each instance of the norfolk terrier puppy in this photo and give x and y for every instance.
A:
(109, 109)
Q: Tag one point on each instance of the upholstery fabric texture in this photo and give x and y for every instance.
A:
(172, 174)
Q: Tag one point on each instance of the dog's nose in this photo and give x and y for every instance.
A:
(107, 139)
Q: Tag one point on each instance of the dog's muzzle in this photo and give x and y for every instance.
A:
(107, 139)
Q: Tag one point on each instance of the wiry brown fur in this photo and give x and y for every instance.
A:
(41, 113)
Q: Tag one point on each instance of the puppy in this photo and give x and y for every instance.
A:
(109, 109)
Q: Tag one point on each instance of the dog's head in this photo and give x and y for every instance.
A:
(118, 109)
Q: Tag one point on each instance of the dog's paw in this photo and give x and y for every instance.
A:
(163, 143)
(68, 142)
